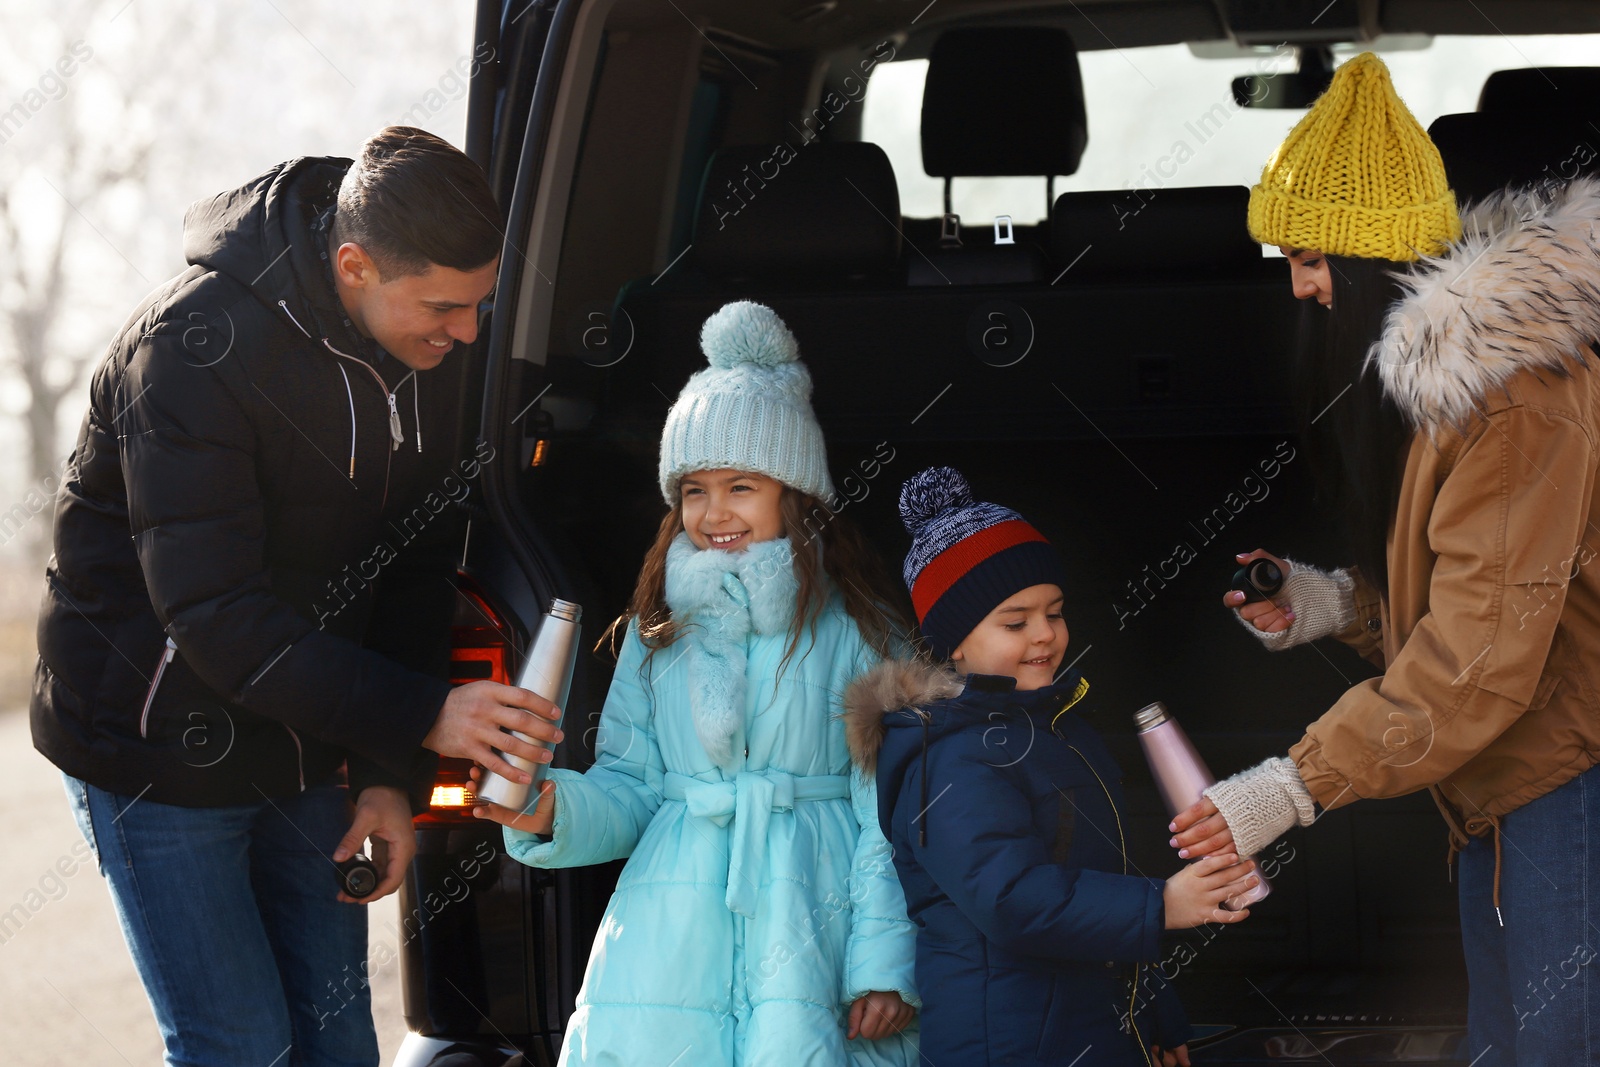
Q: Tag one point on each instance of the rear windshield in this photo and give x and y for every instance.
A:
(1163, 117)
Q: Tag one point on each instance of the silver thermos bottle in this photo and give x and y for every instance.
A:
(547, 672)
(1181, 775)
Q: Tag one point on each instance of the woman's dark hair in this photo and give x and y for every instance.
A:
(1355, 437)
(411, 199)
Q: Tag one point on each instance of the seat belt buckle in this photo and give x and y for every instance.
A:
(1002, 230)
(949, 230)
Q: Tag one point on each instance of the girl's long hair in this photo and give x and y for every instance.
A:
(846, 562)
(1355, 436)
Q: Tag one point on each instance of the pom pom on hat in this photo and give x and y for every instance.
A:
(925, 495)
(746, 332)
(749, 410)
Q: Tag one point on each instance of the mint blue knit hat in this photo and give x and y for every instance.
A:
(750, 410)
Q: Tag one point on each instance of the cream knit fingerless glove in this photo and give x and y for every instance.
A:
(1260, 804)
(1323, 603)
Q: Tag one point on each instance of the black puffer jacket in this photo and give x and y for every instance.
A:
(238, 487)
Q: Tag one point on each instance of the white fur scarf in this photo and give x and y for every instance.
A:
(723, 597)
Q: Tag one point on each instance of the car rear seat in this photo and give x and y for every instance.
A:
(1533, 124)
(827, 214)
(1175, 327)
(1156, 233)
(1570, 91)
(997, 102)
(1159, 355)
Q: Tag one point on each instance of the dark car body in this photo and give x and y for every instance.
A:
(1120, 374)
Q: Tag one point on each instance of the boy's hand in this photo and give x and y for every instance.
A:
(1170, 1057)
(877, 1015)
(541, 820)
(1195, 894)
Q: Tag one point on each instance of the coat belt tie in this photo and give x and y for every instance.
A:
(747, 802)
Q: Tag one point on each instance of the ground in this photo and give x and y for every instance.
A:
(66, 983)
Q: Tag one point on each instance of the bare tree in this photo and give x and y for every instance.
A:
(77, 137)
(126, 110)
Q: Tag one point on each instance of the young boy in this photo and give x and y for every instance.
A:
(1003, 809)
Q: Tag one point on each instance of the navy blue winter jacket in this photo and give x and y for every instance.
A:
(1003, 811)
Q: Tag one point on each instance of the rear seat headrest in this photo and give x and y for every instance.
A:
(1160, 230)
(817, 209)
(1003, 102)
(1534, 91)
(1485, 151)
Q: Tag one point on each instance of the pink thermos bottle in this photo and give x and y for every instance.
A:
(1182, 775)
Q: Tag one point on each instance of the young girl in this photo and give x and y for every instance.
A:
(758, 919)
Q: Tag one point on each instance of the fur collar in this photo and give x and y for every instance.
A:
(724, 597)
(1519, 291)
(889, 687)
(753, 590)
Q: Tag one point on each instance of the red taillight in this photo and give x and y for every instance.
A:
(483, 647)
(481, 643)
(469, 664)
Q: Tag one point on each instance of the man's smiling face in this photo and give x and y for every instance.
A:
(417, 318)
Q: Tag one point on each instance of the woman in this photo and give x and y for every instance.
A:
(1449, 386)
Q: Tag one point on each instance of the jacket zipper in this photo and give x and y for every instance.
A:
(299, 756)
(396, 434)
(155, 683)
(1122, 841)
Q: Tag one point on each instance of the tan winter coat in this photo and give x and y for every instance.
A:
(1490, 639)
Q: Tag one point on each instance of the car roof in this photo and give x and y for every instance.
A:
(1101, 24)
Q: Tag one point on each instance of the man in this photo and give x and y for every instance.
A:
(250, 597)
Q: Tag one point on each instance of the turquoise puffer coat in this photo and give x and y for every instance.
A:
(760, 898)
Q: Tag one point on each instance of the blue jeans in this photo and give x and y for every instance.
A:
(231, 918)
(1535, 982)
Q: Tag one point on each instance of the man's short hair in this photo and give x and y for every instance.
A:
(411, 199)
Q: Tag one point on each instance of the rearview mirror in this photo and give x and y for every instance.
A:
(1291, 89)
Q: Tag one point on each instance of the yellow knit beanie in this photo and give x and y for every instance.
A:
(1357, 176)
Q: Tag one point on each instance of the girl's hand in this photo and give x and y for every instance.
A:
(1200, 830)
(540, 820)
(1264, 615)
(877, 1015)
(1170, 1057)
(1195, 894)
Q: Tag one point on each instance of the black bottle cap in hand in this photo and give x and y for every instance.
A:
(1260, 579)
(357, 876)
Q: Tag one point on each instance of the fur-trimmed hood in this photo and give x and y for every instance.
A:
(937, 700)
(1520, 290)
(891, 686)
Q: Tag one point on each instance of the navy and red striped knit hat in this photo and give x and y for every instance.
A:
(967, 557)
